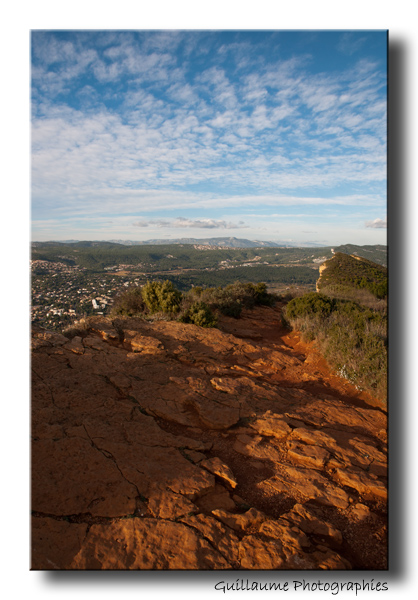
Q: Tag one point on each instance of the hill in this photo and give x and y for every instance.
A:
(163, 445)
(344, 276)
(347, 319)
(376, 253)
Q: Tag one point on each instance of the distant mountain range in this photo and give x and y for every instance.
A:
(376, 253)
(225, 242)
(230, 242)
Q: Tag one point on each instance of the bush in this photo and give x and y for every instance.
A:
(309, 304)
(199, 313)
(352, 338)
(149, 294)
(129, 303)
(358, 295)
(228, 300)
(260, 294)
(231, 308)
(231, 300)
(79, 328)
(161, 297)
(356, 345)
(197, 306)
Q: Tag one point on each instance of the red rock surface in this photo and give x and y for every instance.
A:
(167, 446)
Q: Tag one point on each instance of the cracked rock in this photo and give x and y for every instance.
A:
(168, 446)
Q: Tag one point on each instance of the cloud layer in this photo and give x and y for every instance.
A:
(126, 123)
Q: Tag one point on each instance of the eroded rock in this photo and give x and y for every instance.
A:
(147, 544)
(123, 421)
(308, 521)
(217, 467)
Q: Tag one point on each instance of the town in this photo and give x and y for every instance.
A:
(63, 293)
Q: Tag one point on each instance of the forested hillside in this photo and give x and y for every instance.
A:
(343, 274)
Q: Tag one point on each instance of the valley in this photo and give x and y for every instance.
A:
(73, 280)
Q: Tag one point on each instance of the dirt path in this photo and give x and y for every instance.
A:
(317, 376)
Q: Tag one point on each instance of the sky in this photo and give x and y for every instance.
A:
(45, 14)
(164, 134)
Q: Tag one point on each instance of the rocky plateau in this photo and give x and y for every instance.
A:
(168, 446)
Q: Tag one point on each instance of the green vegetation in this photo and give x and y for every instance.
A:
(298, 275)
(347, 318)
(199, 313)
(198, 306)
(129, 303)
(352, 337)
(376, 254)
(71, 281)
(153, 297)
(310, 305)
(342, 273)
(234, 297)
(99, 256)
(161, 297)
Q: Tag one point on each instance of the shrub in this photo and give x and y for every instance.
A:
(309, 304)
(358, 295)
(129, 303)
(199, 313)
(149, 294)
(356, 345)
(161, 297)
(231, 299)
(352, 338)
(197, 306)
(232, 308)
(228, 300)
(197, 290)
(260, 294)
(79, 328)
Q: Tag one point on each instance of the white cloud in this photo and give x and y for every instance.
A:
(239, 132)
(377, 224)
(166, 131)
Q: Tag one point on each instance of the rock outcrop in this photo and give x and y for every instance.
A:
(167, 446)
(321, 270)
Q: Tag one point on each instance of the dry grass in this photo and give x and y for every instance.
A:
(79, 328)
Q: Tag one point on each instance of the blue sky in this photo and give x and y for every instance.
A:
(264, 135)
